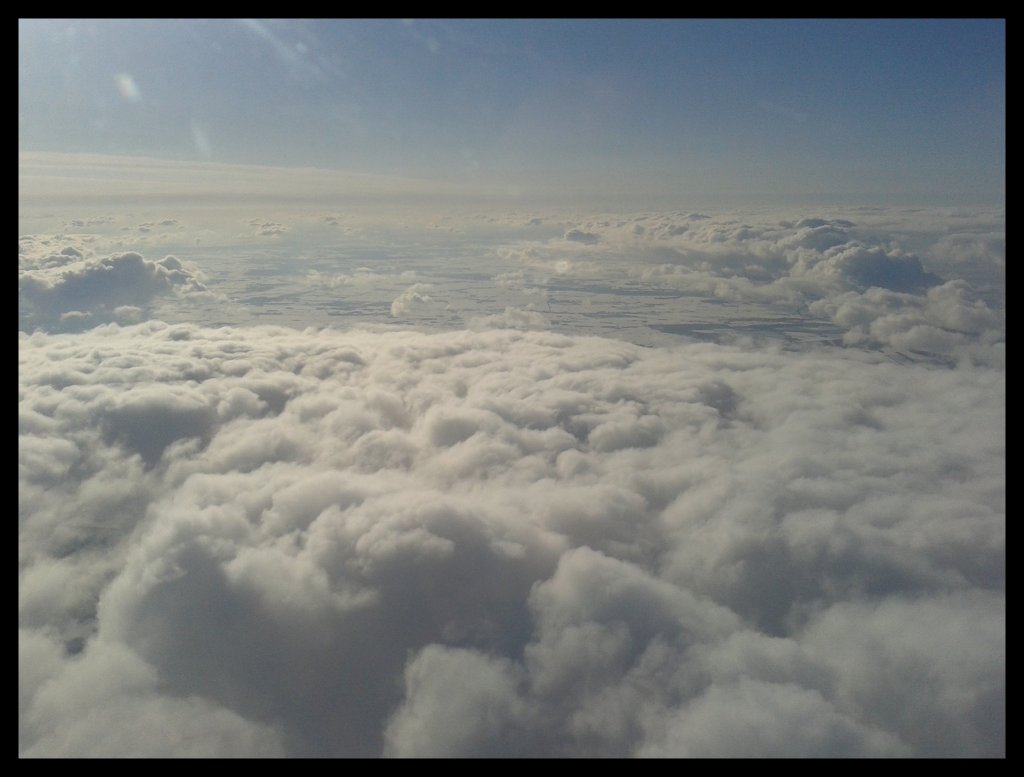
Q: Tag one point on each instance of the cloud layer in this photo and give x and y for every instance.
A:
(264, 541)
(763, 516)
(918, 284)
(916, 288)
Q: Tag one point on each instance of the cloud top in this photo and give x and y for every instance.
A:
(262, 541)
(68, 291)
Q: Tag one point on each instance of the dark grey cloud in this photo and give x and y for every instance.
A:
(867, 267)
(262, 541)
(579, 236)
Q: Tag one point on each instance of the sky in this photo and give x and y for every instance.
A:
(902, 111)
(512, 389)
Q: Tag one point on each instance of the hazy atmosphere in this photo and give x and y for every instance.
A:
(512, 388)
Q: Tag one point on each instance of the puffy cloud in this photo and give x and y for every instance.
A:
(752, 719)
(579, 236)
(264, 541)
(149, 419)
(724, 275)
(964, 250)
(67, 291)
(764, 269)
(866, 267)
(108, 704)
(413, 300)
(459, 703)
(931, 670)
(950, 320)
(509, 540)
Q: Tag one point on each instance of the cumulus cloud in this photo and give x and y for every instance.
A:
(108, 704)
(865, 267)
(515, 539)
(262, 541)
(579, 236)
(949, 320)
(751, 719)
(414, 300)
(774, 267)
(67, 291)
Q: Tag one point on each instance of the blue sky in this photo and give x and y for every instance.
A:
(875, 111)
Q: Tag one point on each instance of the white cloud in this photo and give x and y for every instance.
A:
(260, 541)
(930, 670)
(67, 291)
(865, 267)
(775, 267)
(514, 539)
(413, 300)
(949, 320)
